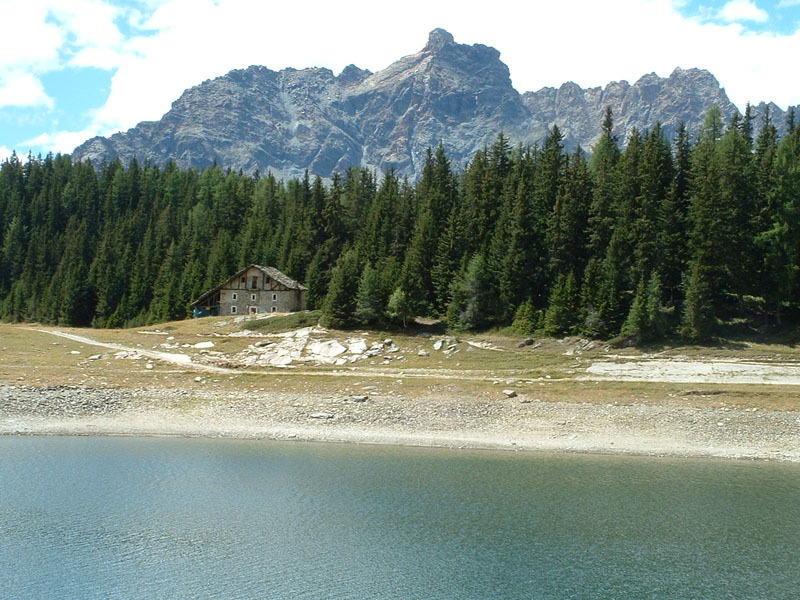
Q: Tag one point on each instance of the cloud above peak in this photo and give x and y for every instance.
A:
(742, 10)
(150, 51)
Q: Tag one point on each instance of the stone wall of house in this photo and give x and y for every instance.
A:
(255, 292)
(261, 301)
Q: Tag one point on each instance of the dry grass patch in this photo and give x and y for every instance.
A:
(547, 372)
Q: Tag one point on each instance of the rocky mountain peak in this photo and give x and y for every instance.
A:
(437, 39)
(459, 95)
(352, 74)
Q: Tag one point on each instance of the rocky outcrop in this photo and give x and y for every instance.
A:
(458, 95)
(684, 96)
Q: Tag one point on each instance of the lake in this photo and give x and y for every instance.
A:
(95, 517)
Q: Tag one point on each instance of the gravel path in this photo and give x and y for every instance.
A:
(518, 423)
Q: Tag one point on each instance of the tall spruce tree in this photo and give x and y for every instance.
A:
(708, 279)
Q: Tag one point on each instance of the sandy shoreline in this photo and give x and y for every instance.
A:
(453, 422)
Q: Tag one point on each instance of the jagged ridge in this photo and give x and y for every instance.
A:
(291, 120)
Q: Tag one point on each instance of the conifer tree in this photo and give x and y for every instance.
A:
(707, 281)
(165, 305)
(780, 241)
(566, 233)
(470, 304)
(525, 320)
(562, 311)
(338, 309)
(372, 298)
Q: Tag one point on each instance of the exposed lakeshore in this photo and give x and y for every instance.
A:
(50, 385)
(507, 424)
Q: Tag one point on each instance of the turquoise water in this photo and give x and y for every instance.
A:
(173, 518)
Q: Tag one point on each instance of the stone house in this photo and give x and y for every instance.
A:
(254, 289)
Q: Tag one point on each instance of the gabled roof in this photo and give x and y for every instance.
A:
(270, 272)
(273, 273)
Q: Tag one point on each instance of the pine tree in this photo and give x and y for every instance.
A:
(708, 280)
(604, 192)
(698, 323)
(562, 312)
(471, 298)
(165, 305)
(566, 233)
(649, 227)
(525, 319)
(372, 297)
(339, 307)
(780, 241)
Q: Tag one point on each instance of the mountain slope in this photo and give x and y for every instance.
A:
(291, 120)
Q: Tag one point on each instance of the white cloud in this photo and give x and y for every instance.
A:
(91, 22)
(41, 36)
(194, 40)
(22, 89)
(788, 3)
(4, 153)
(27, 39)
(180, 43)
(60, 141)
(102, 58)
(743, 10)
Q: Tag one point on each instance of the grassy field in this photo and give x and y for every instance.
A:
(549, 370)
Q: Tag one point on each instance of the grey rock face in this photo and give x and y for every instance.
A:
(455, 94)
(684, 96)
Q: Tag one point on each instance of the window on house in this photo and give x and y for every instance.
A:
(274, 309)
(252, 297)
(233, 310)
(243, 281)
(254, 283)
(274, 297)
(234, 296)
(253, 310)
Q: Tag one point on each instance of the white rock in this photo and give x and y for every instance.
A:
(321, 415)
(437, 345)
(327, 349)
(149, 366)
(75, 352)
(200, 345)
(509, 393)
(357, 347)
(94, 357)
(423, 353)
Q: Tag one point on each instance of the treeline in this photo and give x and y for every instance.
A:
(664, 236)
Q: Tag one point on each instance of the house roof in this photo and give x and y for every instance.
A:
(270, 272)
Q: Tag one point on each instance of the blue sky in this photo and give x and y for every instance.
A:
(760, 16)
(72, 69)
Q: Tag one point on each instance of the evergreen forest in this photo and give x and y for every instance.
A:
(661, 236)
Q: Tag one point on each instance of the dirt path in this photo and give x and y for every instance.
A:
(650, 370)
(176, 359)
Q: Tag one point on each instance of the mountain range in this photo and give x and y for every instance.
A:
(461, 96)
